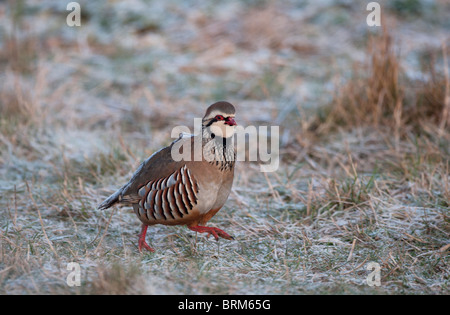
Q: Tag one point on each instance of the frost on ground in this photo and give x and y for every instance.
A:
(364, 116)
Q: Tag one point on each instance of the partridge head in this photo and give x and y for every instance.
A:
(164, 190)
(219, 120)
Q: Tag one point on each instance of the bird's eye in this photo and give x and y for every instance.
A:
(219, 117)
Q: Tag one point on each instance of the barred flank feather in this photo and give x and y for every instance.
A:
(168, 198)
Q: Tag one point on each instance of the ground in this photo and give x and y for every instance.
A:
(364, 117)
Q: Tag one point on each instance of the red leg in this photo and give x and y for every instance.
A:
(216, 232)
(142, 242)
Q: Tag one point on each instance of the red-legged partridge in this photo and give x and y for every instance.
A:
(188, 191)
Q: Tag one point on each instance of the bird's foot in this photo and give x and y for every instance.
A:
(216, 232)
(142, 242)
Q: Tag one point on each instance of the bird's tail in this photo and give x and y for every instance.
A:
(117, 197)
(110, 201)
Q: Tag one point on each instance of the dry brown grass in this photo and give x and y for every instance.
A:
(365, 173)
(380, 94)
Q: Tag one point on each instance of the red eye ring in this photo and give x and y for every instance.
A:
(219, 117)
